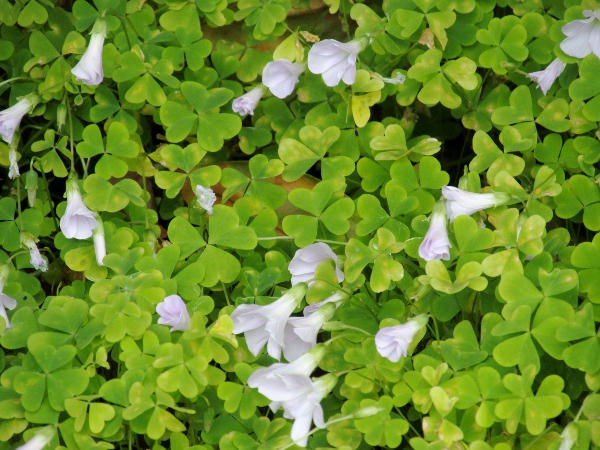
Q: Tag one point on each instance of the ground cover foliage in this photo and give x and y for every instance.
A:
(504, 351)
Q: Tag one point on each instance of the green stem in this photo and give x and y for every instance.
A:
(13, 79)
(71, 140)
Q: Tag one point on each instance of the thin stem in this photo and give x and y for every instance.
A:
(13, 79)
(18, 180)
(71, 140)
(226, 295)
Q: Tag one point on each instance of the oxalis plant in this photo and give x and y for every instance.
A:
(276, 224)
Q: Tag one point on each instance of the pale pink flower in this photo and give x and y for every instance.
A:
(545, 78)
(393, 342)
(281, 76)
(173, 312)
(583, 36)
(305, 262)
(335, 61)
(246, 104)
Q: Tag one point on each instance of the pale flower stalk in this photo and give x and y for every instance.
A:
(436, 244)
(89, 68)
(583, 36)
(246, 104)
(31, 184)
(464, 203)
(206, 198)
(394, 342)
(546, 78)
(173, 312)
(13, 171)
(568, 437)
(78, 221)
(301, 332)
(40, 440)
(301, 398)
(335, 61)
(11, 117)
(6, 302)
(99, 241)
(305, 262)
(36, 259)
(266, 324)
(281, 76)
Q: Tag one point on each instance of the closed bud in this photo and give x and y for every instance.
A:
(61, 116)
(31, 184)
(367, 411)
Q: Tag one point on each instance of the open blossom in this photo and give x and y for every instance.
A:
(305, 365)
(206, 198)
(11, 117)
(36, 259)
(246, 104)
(173, 312)
(281, 76)
(335, 60)
(305, 262)
(464, 203)
(78, 221)
(436, 244)
(89, 68)
(393, 342)
(6, 302)
(40, 440)
(301, 398)
(301, 332)
(545, 78)
(583, 36)
(266, 324)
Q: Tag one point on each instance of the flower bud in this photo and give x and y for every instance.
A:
(31, 184)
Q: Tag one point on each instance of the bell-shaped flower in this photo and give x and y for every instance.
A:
(35, 257)
(335, 61)
(6, 302)
(246, 104)
(464, 203)
(78, 221)
(281, 76)
(301, 332)
(89, 68)
(11, 118)
(545, 78)
(99, 241)
(173, 312)
(305, 262)
(393, 342)
(206, 198)
(40, 440)
(301, 398)
(436, 244)
(583, 36)
(266, 324)
(13, 170)
(305, 365)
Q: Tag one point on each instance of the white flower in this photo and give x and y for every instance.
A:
(5, 300)
(305, 365)
(206, 198)
(172, 312)
(301, 398)
(78, 221)
(246, 104)
(301, 332)
(11, 117)
(393, 342)
(464, 203)
(281, 76)
(40, 440)
(35, 257)
(583, 36)
(545, 78)
(436, 244)
(89, 68)
(266, 324)
(336, 298)
(13, 171)
(99, 241)
(335, 60)
(305, 261)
